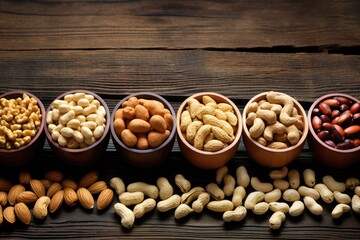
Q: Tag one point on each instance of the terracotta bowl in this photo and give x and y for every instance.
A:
(269, 157)
(204, 159)
(89, 154)
(325, 154)
(150, 157)
(22, 155)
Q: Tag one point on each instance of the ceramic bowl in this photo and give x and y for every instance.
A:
(269, 157)
(22, 155)
(204, 159)
(144, 158)
(325, 154)
(86, 155)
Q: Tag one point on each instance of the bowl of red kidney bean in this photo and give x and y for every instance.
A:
(334, 137)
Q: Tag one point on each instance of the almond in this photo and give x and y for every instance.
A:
(26, 197)
(85, 198)
(13, 192)
(88, 179)
(9, 214)
(54, 188)
(3, 198)
(5, 184)
(47, 183)
(104, 199)
(54, 175)
(23, 213)
(56, 201)
(37, 187)
(69, 183)
(1, 215)
(97, 187)
(24, 177)
(70, 196)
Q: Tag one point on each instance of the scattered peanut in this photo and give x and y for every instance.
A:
(144, 207)
(182, 211)
(235, 215)
(276, 219)
(313, 206)
(127, 216)
(182, 183)
(220, 206)
(296, 209)
(168, 204)
(334, 185)
(339, 210)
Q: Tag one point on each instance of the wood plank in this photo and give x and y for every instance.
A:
(169, 25)
(239, 75)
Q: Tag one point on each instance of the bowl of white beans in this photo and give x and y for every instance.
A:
(77, 127)
(21, 127)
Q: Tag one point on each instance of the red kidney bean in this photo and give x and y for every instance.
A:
(324, 108)
(334, 121)
(316, 112)
(345, 118)
(330, 143)
(335, 113)
(342, 100)
(316, 123)
(356, 118)
(355, 108)
(338, 133)
(347, 144)
(327, 126)
(332, 102)
(323, 135)
(344, 107)
(352, 130)
(324, 118)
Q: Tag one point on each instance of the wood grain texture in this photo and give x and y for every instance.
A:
(236, 48)
(177, 25)
(238, 75)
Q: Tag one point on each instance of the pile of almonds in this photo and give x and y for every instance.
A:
(36, 197)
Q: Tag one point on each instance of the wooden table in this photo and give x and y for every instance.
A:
(239, 49)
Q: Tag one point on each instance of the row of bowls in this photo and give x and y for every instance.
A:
(265, 156)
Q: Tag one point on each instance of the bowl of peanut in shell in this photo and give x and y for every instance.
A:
(209, 129)
(21, 127)
(143, 129)
(275, 128)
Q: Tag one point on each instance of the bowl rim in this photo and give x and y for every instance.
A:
(97, 142)
(144, 95)
(312, 132)
(226, 100)
(288, 149)
(43, 122)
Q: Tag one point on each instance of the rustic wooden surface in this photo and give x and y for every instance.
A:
(238, 49)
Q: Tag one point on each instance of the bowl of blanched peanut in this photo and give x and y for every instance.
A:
(209, 129)
(275, 128)
(21, 127)
(77, 127)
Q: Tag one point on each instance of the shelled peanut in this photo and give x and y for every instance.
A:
(275, 122)
(208, 125)
(20, 120)
(336, 122)
(143, 123)
(32, 197)
(76, 121)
